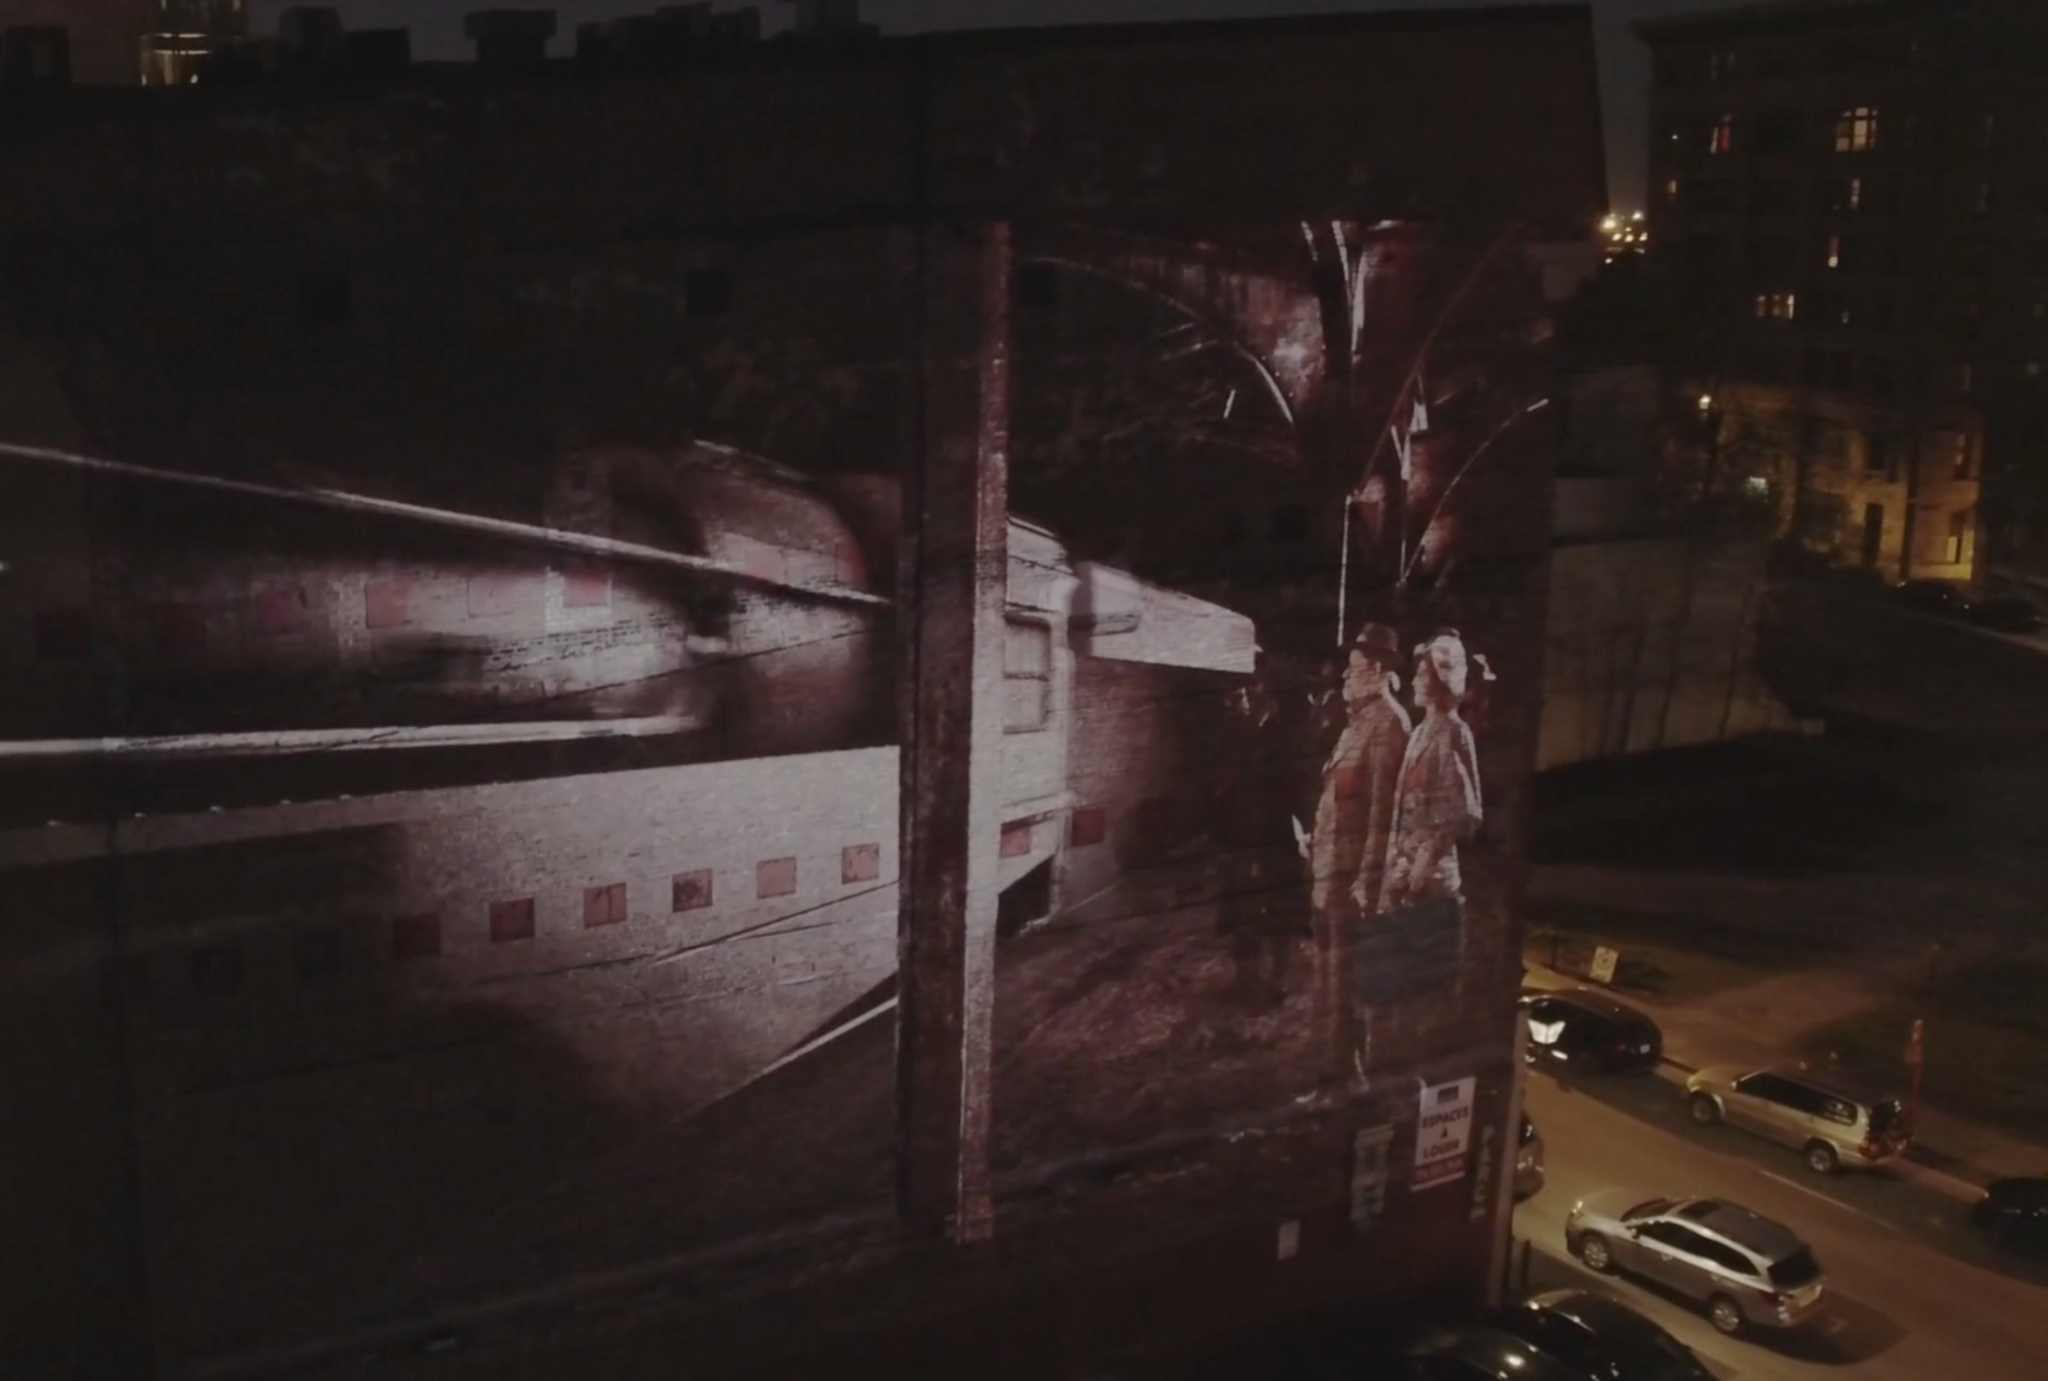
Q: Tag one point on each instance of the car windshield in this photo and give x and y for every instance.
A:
(1795, 1270)
(1649, 1208)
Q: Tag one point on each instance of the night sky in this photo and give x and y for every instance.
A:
(1624, 76)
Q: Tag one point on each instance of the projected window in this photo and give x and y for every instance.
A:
(1027, 677)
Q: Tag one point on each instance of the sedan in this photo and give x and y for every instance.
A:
(1932, 597)
(1601, 1338)
(2007, 614)
(1584, 1032)
(1484, 1354)
(2015, 1211)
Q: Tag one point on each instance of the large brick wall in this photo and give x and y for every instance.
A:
(524, 1026)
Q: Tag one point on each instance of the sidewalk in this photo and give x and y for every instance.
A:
(1761, 1022)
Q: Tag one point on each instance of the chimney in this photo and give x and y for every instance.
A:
(35, 58)
(510, 38)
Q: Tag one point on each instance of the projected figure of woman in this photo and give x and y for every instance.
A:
(1437, 803)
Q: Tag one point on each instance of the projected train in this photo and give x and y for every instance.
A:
(329, 732)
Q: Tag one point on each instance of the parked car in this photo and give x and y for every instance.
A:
(1932, 597)
(1824, 1118)
(1583, 1031)
(1529, 1162)
(1744, 1267)
(1484, 1354)
(2007, 614)
(2015, 1211)
(1601, 1338)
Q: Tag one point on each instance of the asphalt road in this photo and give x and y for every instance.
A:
(1914, 1293)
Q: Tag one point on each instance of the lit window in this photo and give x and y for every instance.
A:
(1776, 306)
(1671, 191)
(1834, 251)
(1722, 137)
(1756, 486)
(1958, 535)
(1855, 194)
(1958, 447)
(1856, 129)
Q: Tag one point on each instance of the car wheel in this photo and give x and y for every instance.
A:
(1705, 1111)
(1725, 1314)
(1821, 1158)
(1594, 1251)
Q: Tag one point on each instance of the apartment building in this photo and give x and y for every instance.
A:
(1849, 202)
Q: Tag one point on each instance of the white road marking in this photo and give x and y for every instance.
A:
(1828, 1199)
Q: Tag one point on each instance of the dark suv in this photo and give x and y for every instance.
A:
(1577, 1030)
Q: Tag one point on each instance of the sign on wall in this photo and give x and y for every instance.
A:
(1370, 1160)
(1443, 1136)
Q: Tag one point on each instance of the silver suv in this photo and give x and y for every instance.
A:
(1743, 1266)
(1823, 1118)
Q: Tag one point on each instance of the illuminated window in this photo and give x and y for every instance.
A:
(1027, 677)
(1956, 446)
(1671, 192)
(1721, 138)
(1958, 535)
(1856, 129)
(1834, 255)
(1776, 306)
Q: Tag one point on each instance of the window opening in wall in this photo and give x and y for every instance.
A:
(1721, 138)
(1958, 447)
(1671, 191)
(1958, 535)
(1834, 254)
(1025, 901)
(1027, 676)
(1856, 129)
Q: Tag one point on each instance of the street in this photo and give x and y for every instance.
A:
(1914, 1293)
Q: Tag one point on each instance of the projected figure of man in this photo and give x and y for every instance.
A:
(1347, 849)
(1438, 804)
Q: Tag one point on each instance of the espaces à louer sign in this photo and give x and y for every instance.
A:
(1443, 1136)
